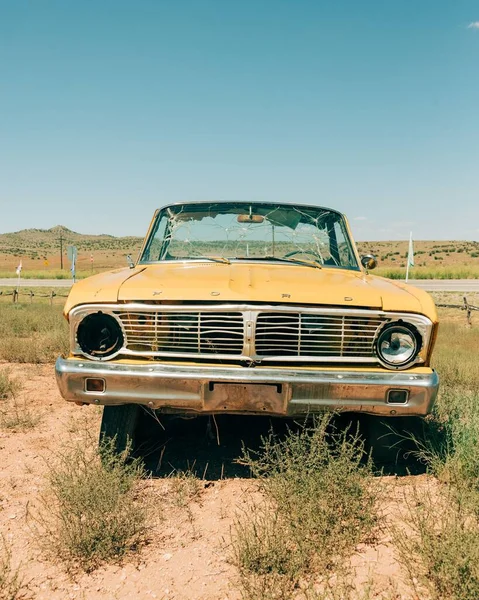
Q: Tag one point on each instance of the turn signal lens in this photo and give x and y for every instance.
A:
(93, 384)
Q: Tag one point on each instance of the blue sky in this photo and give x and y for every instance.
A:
(110, 109)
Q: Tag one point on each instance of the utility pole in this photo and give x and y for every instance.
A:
(61, 251)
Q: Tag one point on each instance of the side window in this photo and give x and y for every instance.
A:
(152, 251)
(343, 248)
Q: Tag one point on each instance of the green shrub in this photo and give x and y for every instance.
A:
(319, 502)
(92, 511)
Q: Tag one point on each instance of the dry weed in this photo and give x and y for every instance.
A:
(93, 509)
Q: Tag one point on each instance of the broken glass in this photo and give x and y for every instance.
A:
(227, 231)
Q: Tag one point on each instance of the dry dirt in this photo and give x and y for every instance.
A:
(188, 555)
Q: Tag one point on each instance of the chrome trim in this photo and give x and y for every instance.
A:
(417, 351)
(92, 356)
(250, 315)
(286, 392)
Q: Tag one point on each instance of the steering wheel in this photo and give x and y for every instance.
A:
(311, 252)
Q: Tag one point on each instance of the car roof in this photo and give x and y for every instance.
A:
(253, 202)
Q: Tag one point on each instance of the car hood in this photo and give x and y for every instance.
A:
(250, 282)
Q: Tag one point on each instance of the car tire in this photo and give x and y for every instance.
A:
(120, 424)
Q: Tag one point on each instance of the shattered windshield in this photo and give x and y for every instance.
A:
(225, 232)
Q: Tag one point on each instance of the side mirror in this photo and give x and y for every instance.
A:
(129, 261)
(369, 262)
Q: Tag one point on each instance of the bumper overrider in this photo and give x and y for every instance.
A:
(261, 390)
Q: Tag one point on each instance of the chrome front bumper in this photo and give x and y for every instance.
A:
(274, 391)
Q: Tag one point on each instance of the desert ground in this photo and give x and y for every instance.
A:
(199, 498)
(188, 554)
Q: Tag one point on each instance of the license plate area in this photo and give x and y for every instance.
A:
(245, 397)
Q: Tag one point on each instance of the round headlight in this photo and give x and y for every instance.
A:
(99, 335)
(397, 345)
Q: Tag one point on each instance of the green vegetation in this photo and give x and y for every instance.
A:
(32, 333)
(8, 386)
(14, 414)
(319, 502)
(39, 242)
(46, 274)
(11, 582)
(93, 510)
(446, 272)
(442, 554)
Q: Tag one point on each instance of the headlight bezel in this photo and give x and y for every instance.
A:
(117, 347)
(401, 326)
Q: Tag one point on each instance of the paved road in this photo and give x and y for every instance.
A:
(431, 285)
(29, 283)
(447, 285)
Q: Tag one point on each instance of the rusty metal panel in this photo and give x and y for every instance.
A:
(246, 397)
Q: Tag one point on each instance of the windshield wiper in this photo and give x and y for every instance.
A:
(218, 259)
(294, 261)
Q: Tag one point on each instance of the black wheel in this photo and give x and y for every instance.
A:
(120, 424)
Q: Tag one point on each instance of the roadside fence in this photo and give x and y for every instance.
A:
(469, 308)
(15, 294)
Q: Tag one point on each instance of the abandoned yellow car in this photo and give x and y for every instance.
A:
(251, 308)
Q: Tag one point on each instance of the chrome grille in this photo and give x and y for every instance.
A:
(183, 332)
(269, 335)
(315, 335)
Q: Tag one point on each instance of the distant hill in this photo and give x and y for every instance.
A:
(39, 250)
(41, 242)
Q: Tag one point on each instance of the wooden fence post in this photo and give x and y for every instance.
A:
(468, 310)
(15, 296)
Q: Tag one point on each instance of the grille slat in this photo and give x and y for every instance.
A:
(315, 335)
(276, 334)
(184, 332)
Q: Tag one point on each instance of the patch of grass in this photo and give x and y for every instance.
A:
(439, 272)
(185, 487)
(319, 502)
(439, 545)
(11, 581)
(440, 550)
(450, 447)
(14, 414)
(93, 510)
(8, 386)
(32, 333)
(37, 274)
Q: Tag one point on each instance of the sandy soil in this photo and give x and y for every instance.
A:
(187, 556)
